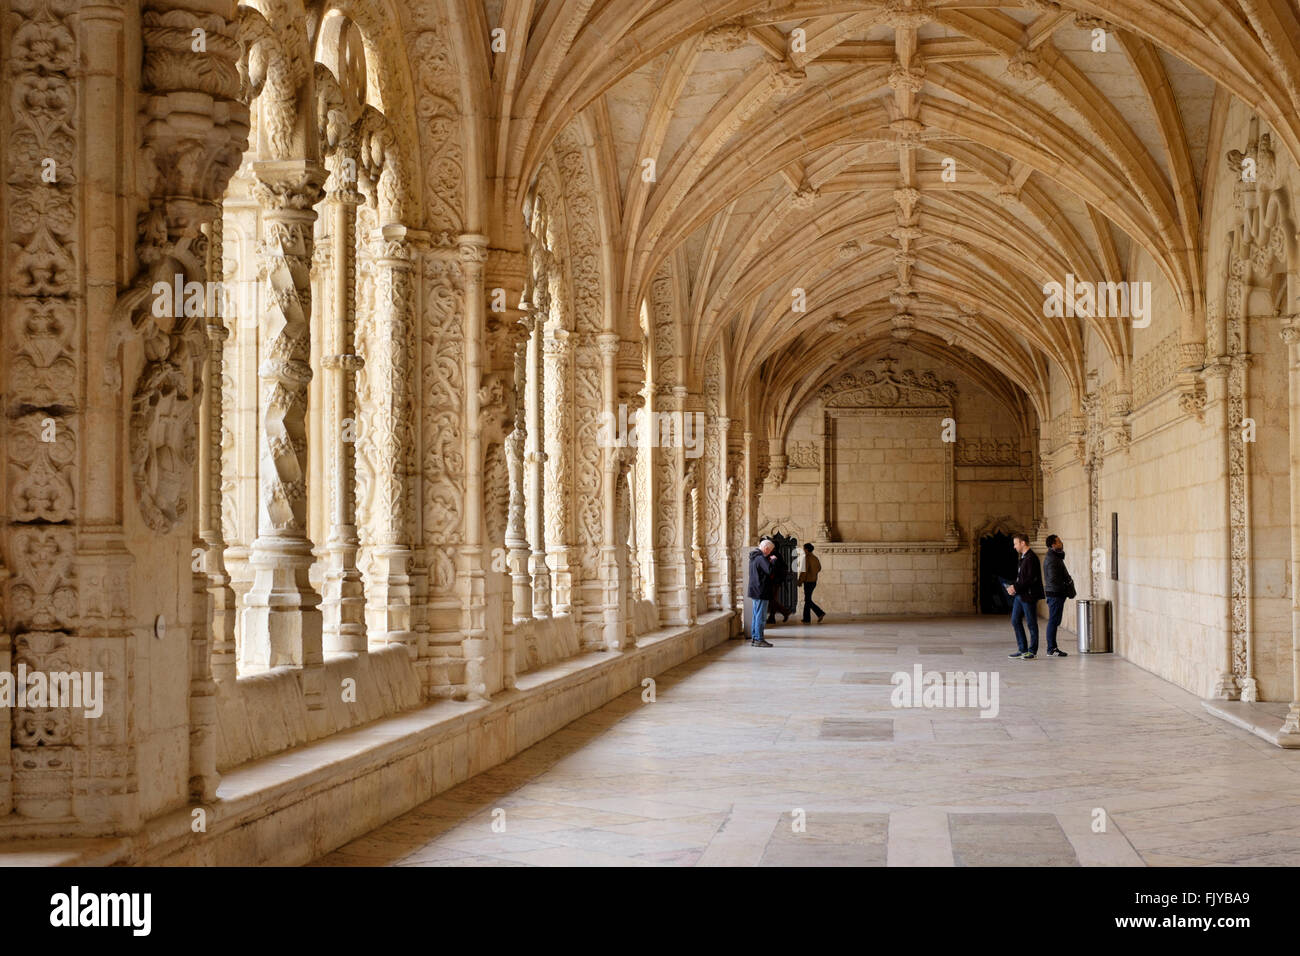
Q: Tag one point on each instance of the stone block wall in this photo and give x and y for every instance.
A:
(857, 584)
(890, 552)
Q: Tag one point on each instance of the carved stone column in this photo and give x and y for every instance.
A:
(344, 597)
(213, 630)
(1216, 375)
(281, 620)
(516, 532)
(535, 457)
(194, 133)
(716, 516)
(1240, 551)
(736, 551)
(672, 543)
(557, 349)
(614, 462)
(624, 539)
(388, 592)
(1291, 336)
(211, 428)
(470, 570)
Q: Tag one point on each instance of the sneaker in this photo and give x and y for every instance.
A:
(1016, 655)
(763, 644)
(1028, 656)
(1057, 652)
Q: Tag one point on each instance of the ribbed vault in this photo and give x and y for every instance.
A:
(908, 168)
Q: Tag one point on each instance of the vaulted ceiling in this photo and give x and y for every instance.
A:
(917, 168)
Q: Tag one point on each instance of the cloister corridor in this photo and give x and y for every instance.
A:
(403, 404)
(738, 742)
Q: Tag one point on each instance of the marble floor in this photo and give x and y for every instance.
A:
(795, 755)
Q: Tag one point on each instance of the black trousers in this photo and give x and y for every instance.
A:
(808, 605)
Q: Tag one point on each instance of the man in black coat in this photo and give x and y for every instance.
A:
(780, 572)
(1058, 586)
(1025, 594)
(760, 588)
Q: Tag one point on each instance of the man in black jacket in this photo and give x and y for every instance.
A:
(1025, 594)
(760, 588)
(1058, 586)
(780, 571)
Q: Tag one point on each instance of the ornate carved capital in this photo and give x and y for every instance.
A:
(390, 245)
(777, 470)
(607, 343)
(282, 185)
(1191, 400)
(473, 248)
(1191, 355)
(557, 342)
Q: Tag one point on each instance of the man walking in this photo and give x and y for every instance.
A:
(760, 589)
(1025, 594)
(807, 566)
(1058, 586)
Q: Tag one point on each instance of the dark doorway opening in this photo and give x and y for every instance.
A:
(787, 595)
(998, 560)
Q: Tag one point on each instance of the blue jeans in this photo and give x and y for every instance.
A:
(1055, 608)
(1022, 610)
(759, 621)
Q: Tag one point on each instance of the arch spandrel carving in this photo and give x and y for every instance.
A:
(886, 388)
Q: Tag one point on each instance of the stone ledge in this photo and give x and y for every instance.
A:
(1261, 718)
(292, 807)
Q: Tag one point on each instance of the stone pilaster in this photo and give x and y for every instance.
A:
(825, 479)
(1291, 336)
(1216, 375)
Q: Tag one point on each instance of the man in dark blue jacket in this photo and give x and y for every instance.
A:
(761, 583)
(1058, 586)
(1025, 594)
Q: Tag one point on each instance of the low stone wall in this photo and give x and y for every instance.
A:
(293, 807)
(265, 714)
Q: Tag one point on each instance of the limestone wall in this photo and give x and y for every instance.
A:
(891, 551)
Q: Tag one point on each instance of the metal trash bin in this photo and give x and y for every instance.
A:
(1094, 626)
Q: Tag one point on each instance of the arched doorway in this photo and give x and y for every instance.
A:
(997, 562)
